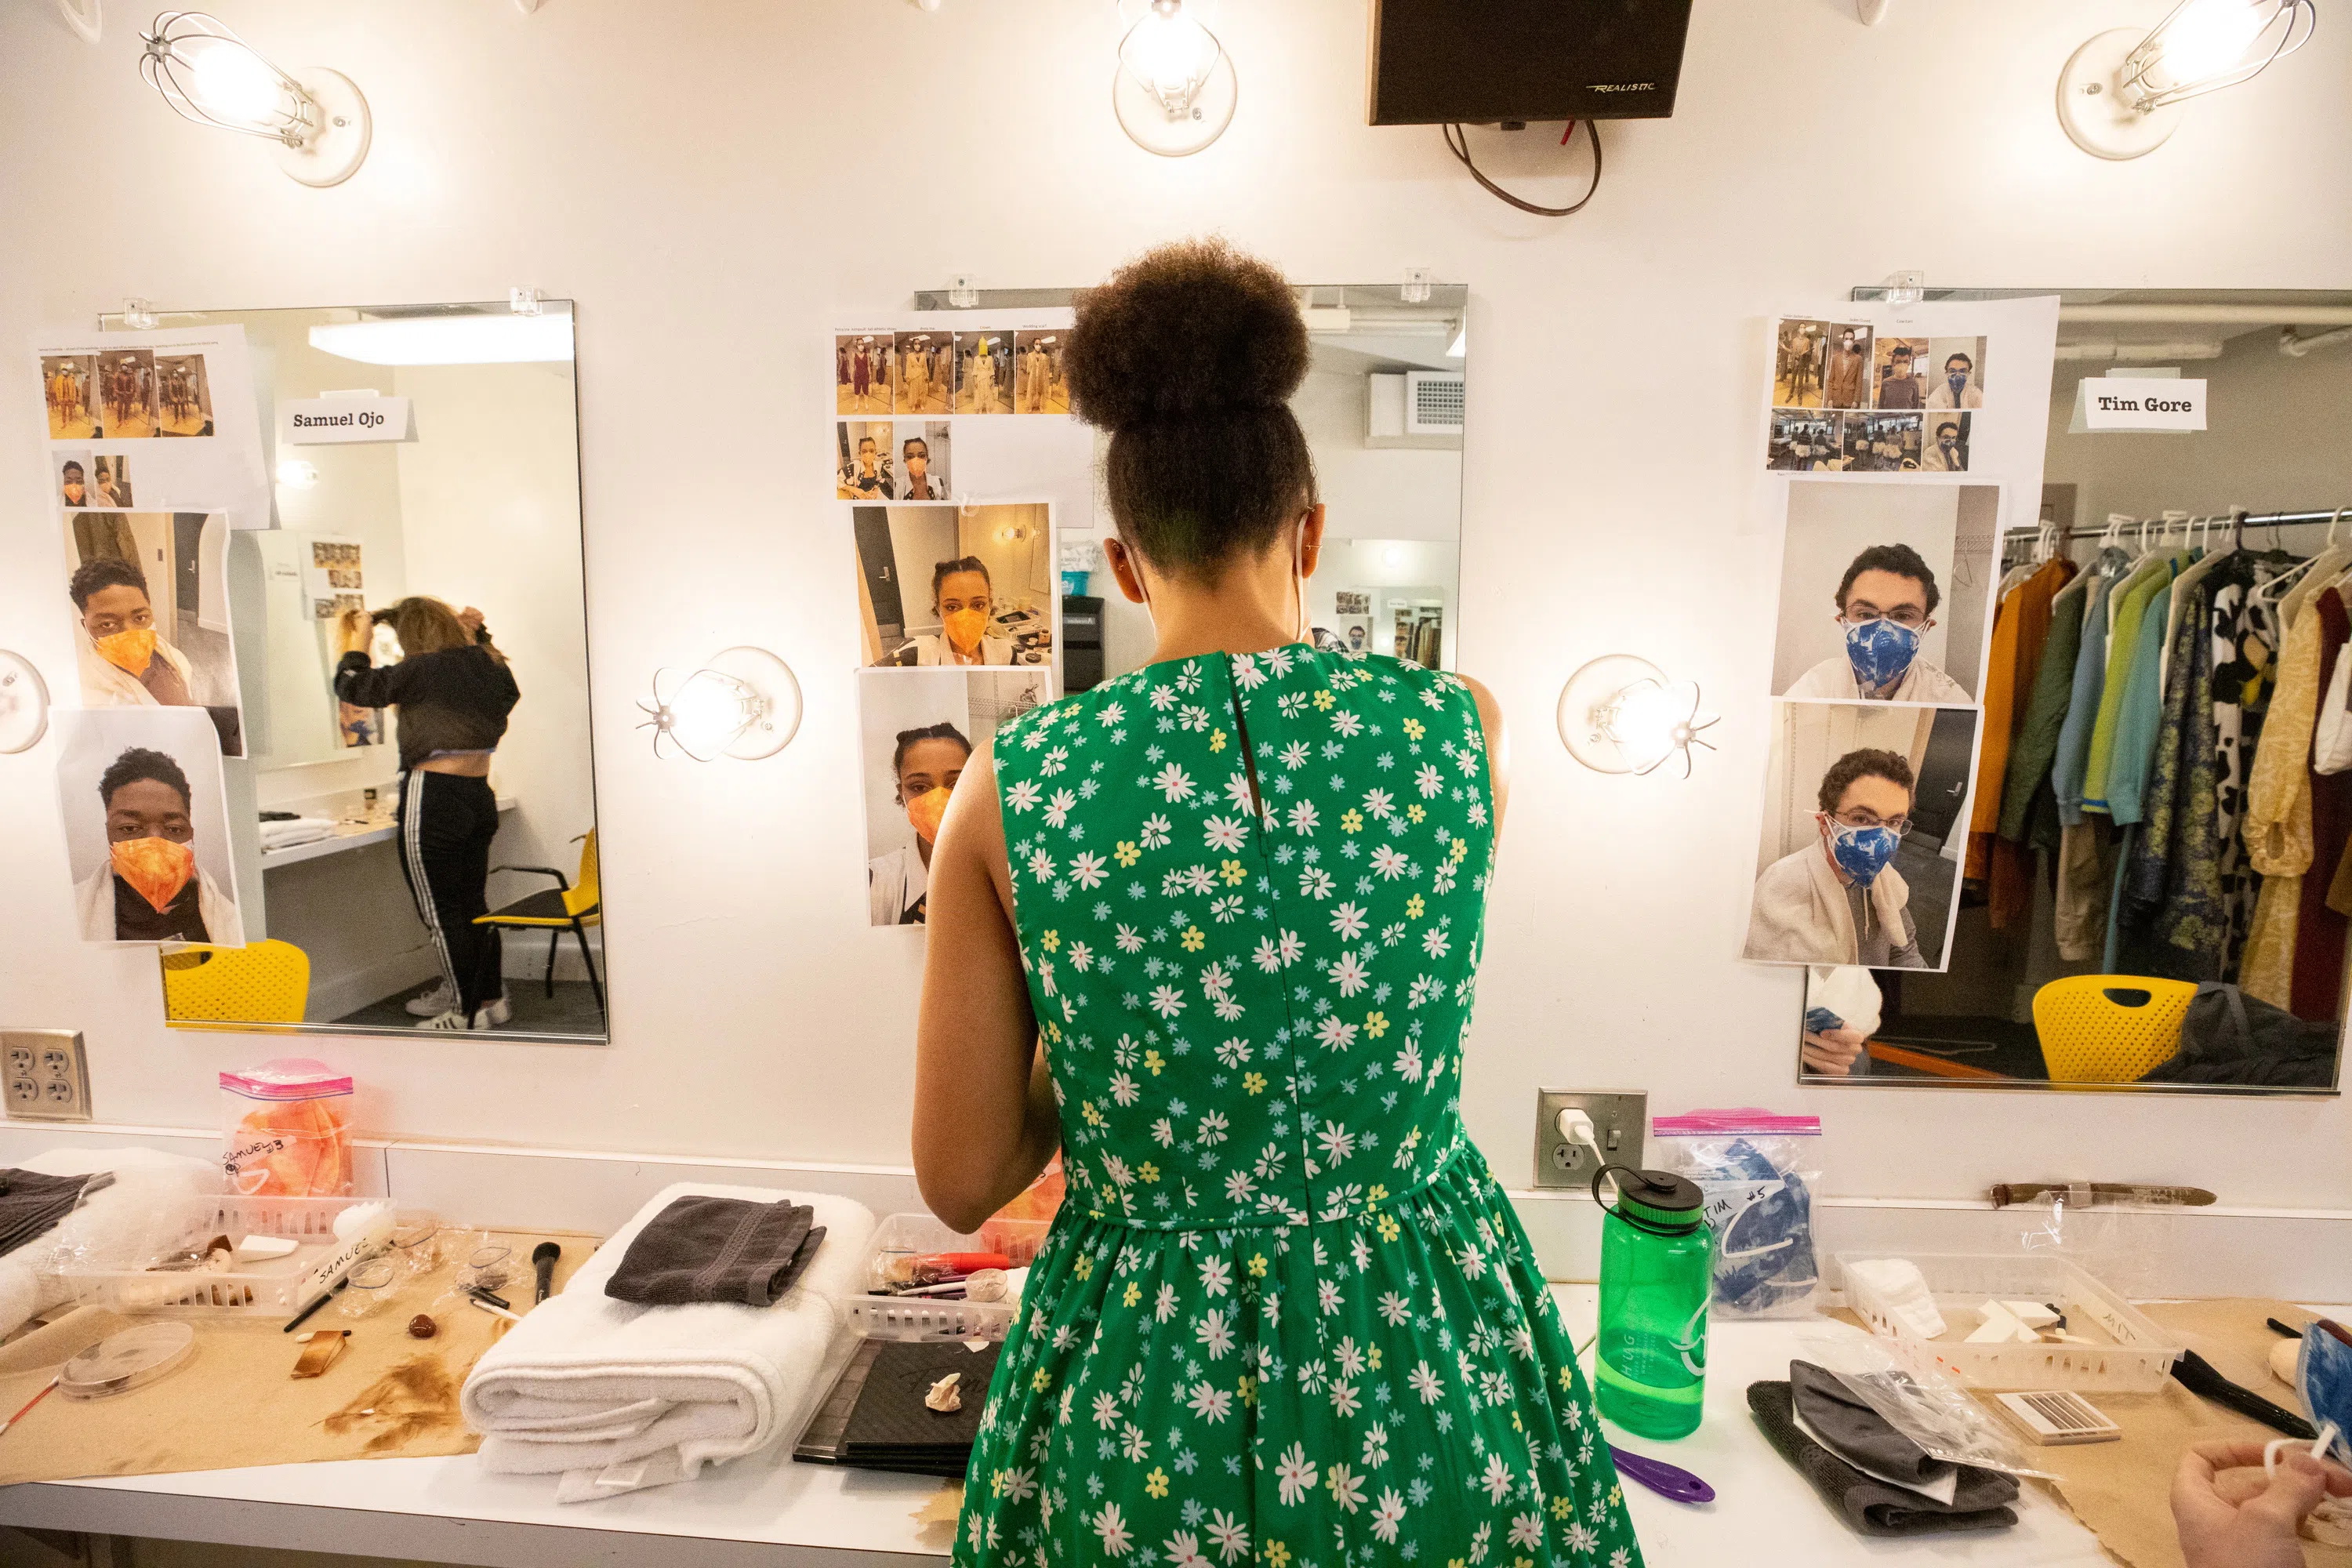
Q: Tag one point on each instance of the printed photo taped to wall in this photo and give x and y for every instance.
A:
(983, 372)
(126, 395)
(183, 394)
(1038, 382)
(862, 469)
(1799, 357)
(1845, 368)
(922, 372)
(1954, 372)
(955, 585)
(861, 373)
(1802, 441)
(917, 729)
(1885, 591)
(1944, 447)
(1881, 443)
(69, 392)
(1864, 814)
(1898, 372)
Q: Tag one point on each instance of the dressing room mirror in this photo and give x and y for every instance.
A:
(1382, 409)
(2156, 890)
(426, 465)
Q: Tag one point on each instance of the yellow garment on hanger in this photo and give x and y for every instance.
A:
(2278, 829)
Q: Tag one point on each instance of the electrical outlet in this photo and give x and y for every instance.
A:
(47, 1076)
(1619, 1121)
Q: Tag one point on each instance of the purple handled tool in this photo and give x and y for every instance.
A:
(1670, 1481)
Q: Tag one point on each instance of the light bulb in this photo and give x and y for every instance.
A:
(230, 82)
(298, 473)
(709, 710)
(1645, 722)
(1170, 53)
(2209, 38)
(1393, 556)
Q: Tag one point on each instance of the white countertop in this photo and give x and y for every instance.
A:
(450, 1509)
(347, 834)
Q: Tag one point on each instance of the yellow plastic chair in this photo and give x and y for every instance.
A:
(2108, 1028)
(262, 983)
(572, 906)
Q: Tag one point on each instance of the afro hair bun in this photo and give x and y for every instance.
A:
(1189, 330)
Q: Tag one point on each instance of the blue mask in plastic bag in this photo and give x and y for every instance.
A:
(1764, 1233)
(1862, 852)
(1880, 651)
(2323, 1369)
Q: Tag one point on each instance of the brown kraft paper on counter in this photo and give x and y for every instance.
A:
(2122, 1490)
(234, 1403)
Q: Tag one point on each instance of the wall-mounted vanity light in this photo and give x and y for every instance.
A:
(1174, 90)
(742, 703)
(542, 336)
(2120, 95)
(211, 76)
(1619, 714)
(298, 473)
(23, 704)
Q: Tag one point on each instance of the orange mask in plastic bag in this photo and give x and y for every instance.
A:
(156, 868)
(965, 627)
(128, 651)
(925, 811)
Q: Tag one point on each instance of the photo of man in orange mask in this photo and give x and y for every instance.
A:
(149, 888)
(125, 661)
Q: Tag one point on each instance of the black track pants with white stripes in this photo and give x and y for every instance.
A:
(447, 822)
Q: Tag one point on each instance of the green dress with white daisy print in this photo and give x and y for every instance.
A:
(1286, 1315)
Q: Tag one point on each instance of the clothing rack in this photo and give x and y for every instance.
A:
(2252, 520)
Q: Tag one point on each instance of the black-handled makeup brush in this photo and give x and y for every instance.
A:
(2197, 1374)
(543, 1263)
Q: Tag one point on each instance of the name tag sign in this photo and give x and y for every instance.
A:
(335, 421)
(2136, 403)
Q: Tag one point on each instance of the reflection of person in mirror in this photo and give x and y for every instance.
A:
(1885, 605)
(915, 482)
(1959, 389)
(1947, 448)
(1844, 1007)
(453, 692)
(867, 476)
(124, 660)
(151, 888)
(1839, 899)
(926, 763)
(1848, 385)
(71, 488)
(962, 598)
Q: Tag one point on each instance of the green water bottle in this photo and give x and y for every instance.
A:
(1655, 1272)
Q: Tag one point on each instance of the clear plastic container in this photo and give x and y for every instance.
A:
(2131, 1354)
(257, 1286)
(928, 1317)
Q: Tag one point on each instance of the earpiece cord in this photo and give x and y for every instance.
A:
(1457, 141)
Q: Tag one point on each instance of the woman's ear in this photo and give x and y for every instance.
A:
(1125, 570)
(1311, 538)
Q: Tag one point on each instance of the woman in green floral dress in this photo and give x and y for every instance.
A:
(1286, 1315)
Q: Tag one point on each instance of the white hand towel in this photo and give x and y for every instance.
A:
(625, 1396)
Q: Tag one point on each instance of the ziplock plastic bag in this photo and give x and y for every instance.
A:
(1758, 1172)
(286, 1130)
(1918, 1402)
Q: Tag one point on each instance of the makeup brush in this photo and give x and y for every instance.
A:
(543, 1263)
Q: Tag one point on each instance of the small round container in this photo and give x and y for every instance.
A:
(370, 1285)
(486, 1265)
(131, 1359)
(416, 1241)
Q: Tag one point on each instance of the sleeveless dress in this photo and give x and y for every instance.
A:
(1285, 1314)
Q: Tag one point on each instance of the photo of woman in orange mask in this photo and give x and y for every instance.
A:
(149, 888)
(927, 762)
(963, 599)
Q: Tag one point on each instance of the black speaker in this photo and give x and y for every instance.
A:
(1482, 62)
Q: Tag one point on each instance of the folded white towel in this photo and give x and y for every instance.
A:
(623, 1397)
(286, 834)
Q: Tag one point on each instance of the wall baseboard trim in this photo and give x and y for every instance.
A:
(2298, 1254)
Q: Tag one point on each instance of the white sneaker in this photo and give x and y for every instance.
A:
(433, 1003)
(493, 1012)
(451, 1021)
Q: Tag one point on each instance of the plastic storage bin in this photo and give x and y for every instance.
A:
(925, 1317)
(2136, 1357)
(257, 1288)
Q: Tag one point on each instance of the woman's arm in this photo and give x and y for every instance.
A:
(1498, 747)
(986, 1122)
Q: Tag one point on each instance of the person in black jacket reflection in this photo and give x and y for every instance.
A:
(452, 692)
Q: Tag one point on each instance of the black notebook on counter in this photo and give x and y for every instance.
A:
(875, 1418)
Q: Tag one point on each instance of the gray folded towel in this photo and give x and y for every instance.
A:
(717, 1249)
(31, 1203)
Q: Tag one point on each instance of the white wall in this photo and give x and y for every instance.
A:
(675, 169)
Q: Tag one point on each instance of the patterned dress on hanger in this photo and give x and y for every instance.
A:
(1286, 1315)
